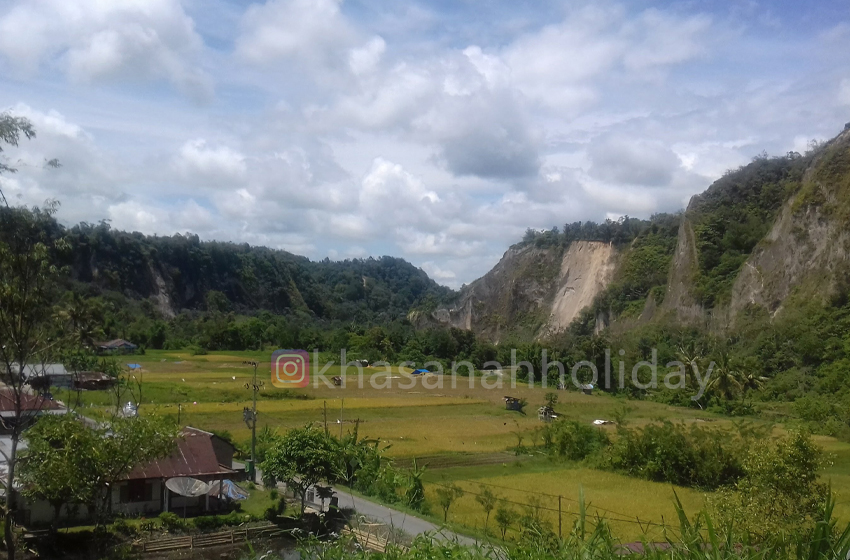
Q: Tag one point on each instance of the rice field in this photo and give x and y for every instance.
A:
(426, 417)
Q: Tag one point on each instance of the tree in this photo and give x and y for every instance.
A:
(551, 399)
(487, 499)
(780, 493)
(504, 519)
(68, 462)
(27, 295)
(301, 458)
(725, 383)
(122, 444)
(55, 466)
(446, 496)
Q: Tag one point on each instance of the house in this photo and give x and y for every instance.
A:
(93, 381)
(117, 346)
(419, 372)
(32, 406)
(200, 455)
(43, 376)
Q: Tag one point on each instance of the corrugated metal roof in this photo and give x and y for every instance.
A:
(193, 456)
(29, 401)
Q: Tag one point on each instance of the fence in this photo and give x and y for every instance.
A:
(211, 539)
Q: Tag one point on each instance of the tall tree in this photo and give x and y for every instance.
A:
(487, 500)
(446, 496)
(56, 466)
(68, 462)
(27, 296)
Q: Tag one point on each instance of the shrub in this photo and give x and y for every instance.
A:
(270, 514)
(171, 522)
(687, 456)
(779, 492)
(573, 440)
(121, 527)
(208, 523)
(195, 350)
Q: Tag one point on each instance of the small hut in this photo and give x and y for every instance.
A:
(546, 414)
(512, 403)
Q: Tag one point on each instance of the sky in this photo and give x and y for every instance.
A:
(437, 131)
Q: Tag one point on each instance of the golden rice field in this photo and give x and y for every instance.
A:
(427, 417)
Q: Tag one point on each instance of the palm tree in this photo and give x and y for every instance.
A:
(726, 380)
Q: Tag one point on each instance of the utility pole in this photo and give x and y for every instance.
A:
(250, 417)
(325, 407)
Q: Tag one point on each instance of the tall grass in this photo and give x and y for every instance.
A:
(695, 538)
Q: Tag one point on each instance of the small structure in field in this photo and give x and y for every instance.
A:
(337, 380)
(546, 414)
(587, 389)
(117, 346)
(419, 372)
(512, 403)
(93, 381)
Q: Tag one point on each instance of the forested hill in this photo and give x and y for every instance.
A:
(182, 272)
(768, 231)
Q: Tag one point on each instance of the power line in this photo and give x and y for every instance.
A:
(622, 517)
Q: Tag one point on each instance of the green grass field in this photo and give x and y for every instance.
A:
(426, 417)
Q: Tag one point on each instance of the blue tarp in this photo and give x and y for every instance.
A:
(134, 366)
(419, 371)
(229, 490)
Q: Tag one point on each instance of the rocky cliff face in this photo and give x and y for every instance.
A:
(532, 291)
(809, 244)
(586, 269)
(805, 249)
(798, 207)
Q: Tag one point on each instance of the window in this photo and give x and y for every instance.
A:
(137, 491)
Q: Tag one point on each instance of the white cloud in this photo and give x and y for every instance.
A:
(309, 33)
(221, 165)
(364, 59)
(91, 40)
(340, 131)
(844, 91)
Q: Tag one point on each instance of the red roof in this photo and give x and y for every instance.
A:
(194, 456)
(29, 401)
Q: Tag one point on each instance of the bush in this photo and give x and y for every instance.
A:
(779, 493)
(687, 456)
(573, 440)
(207, 523)
(195, 350)
(171, 522)
(270, 514)
(121, 527)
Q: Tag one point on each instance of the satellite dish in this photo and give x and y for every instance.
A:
(187, 486)
(129, 410)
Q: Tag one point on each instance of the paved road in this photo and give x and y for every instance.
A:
(410, 524)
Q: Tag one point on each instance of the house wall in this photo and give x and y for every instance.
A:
(40, 512)
(122, 504)
(223, 451)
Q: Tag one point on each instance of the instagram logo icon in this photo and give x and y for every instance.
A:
(290, 368)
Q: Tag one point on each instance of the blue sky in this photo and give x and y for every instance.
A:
(436, 131)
